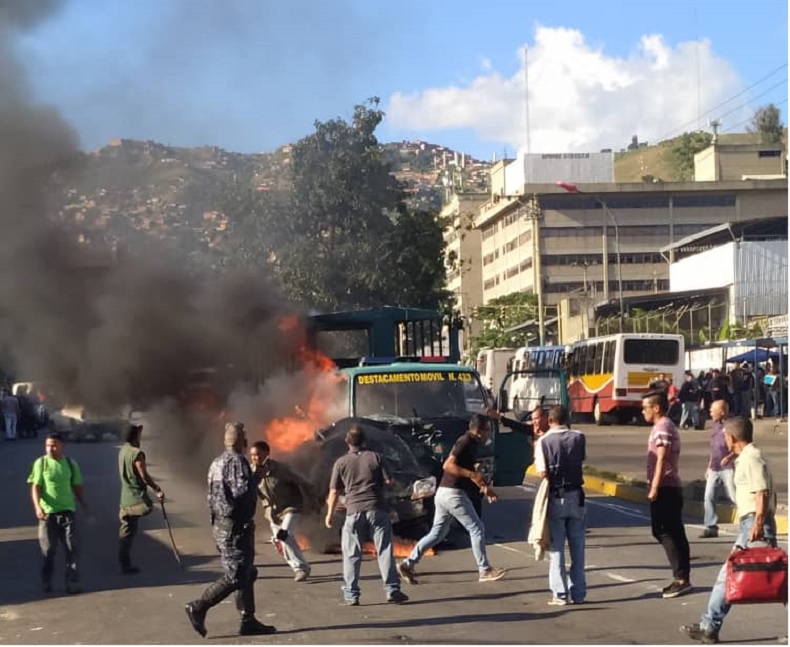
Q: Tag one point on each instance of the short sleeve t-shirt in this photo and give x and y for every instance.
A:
(361, 475)
(56, 480)
(465, 452)
(752, 474)
(664, 434)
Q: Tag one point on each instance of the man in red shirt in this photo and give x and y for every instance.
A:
(665, 491)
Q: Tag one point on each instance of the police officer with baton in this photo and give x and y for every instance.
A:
(232, 499)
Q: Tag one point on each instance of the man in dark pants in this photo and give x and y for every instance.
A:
(55, 482)
(559, 457)
(666, 493)
(135, 502)
(232, 500)
(361, 475)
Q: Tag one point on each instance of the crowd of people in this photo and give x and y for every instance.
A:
(243, 475)
(749, 393)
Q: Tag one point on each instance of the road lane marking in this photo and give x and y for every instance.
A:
(620, 578)
(511, 549)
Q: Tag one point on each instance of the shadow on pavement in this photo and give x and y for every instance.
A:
(98, 565)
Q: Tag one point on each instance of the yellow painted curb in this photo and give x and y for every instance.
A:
(635, 494)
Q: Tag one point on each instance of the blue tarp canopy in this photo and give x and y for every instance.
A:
(761, 355)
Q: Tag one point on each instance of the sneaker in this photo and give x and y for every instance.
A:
(301, 576)
(676, 589)
(710, 532)
(349, 602)
(559, 602)
(406, 571)
(492, 574)
(197, 617)
(696, 632)
(72, 588)
(397, 597)
(253, 627)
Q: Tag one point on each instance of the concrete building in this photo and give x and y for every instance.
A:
(604, 240)
(462, 252)
(723, 163)
(749, 259)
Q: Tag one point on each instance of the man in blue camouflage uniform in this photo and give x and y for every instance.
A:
(232, 497)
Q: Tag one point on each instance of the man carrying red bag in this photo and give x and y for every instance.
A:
(755, 499)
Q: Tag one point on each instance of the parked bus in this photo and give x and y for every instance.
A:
(492, 366)
(527, 390)
(608, 376)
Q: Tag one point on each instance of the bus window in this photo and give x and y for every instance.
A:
(650, 351)
(609, 348)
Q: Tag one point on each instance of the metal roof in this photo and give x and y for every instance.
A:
(772, 228)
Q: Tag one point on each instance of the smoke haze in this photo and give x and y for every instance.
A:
(111, 334)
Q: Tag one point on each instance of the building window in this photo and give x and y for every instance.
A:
(511, 272)
(570, 232)
(488, 259)
(721, 200)
(488, 284)
(525, 265)
(638, 202)
(769, 153)
(489, 231)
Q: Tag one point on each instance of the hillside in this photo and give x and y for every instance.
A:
(145, 193)
(658, 161)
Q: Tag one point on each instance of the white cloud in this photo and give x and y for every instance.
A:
(580, 98)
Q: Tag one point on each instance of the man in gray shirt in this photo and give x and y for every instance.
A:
(361, 475)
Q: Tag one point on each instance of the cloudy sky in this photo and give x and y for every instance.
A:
(250, 75)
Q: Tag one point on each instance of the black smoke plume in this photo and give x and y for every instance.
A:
(122, 330)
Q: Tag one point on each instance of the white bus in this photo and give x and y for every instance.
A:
(528, 391)
(608, 376)
(492, 365)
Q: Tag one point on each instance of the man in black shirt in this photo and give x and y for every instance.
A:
(452, 501)
(361, 475)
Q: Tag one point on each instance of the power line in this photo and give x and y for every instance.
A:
(764, 92)
(746, 121)
(723, 103)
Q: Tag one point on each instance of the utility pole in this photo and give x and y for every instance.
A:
(534, 216)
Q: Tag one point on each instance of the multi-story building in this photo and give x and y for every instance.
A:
(604, 240)
(462, 251)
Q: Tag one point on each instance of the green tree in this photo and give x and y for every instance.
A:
(501, 314)
(683, 150)
(341, 235)
(767, 122)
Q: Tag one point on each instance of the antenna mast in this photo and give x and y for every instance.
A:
(526, 90)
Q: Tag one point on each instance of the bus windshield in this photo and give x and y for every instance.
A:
(660, 352)
(422, 394)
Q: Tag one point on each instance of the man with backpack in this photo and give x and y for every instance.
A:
(55, 486)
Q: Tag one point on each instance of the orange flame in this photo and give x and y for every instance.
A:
(400, 547)
(319, 373)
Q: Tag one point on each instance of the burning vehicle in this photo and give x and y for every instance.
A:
(415, 477)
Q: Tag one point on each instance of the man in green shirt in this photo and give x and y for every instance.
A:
(55, 482)
(135, 502)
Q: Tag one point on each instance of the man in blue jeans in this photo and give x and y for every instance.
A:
(453, 501)
(361, 475)
(755, 499)
(559, 456)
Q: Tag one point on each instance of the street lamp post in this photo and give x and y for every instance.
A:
(572, 188)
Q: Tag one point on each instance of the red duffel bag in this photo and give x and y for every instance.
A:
(756, 575)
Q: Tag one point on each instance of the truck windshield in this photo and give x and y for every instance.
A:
(423, 394)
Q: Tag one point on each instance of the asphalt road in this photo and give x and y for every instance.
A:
(626, 570)
(622, 449)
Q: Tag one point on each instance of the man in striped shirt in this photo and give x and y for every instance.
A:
(666, 492)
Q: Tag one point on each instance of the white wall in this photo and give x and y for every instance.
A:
(713, 268)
